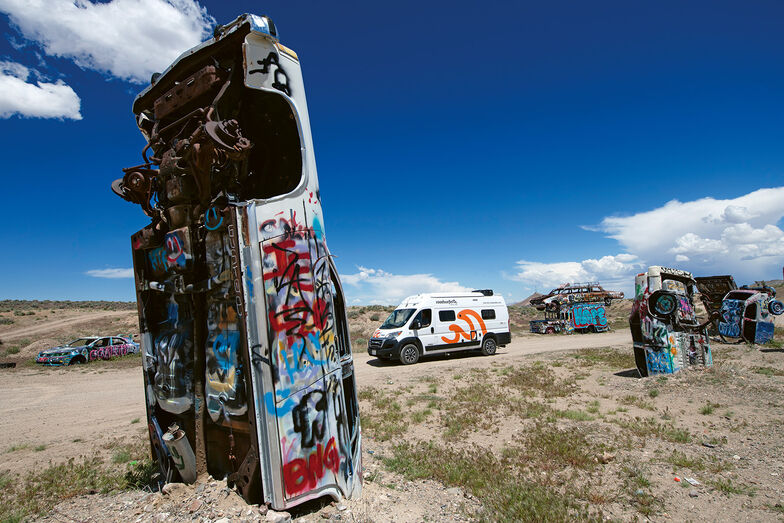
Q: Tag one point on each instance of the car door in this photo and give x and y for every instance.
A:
(119, 347)
(98, 349)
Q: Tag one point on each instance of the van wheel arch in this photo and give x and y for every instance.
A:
(489, 345)
(410, 353)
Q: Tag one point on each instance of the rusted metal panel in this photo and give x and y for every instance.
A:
(189, 91)
(713, 289)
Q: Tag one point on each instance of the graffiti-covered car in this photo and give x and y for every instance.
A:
(746, 314)
(580, 317)
(575, 293)
(247, 363)
(90, 348)
(665, 329)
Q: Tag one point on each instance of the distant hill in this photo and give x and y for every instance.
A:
(526, 302)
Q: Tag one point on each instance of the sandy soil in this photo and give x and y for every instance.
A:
(66, 409)
(52, 414)
(69, 411)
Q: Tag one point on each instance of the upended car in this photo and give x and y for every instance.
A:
(89, 348)
(746, 314)
(667, 334)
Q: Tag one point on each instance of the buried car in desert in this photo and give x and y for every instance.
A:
(82, 350)
(746, 314)
(666, 332)
(247, 364)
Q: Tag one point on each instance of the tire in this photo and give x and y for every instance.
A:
(489, 346)
(409, 354)
(607, 301)
(77, 360)
(549, 330)
(776, 307)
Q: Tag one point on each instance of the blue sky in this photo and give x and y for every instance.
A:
(500, 145)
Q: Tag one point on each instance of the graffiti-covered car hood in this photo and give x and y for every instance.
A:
(63, 348)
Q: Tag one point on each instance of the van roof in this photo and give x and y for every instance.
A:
(442, 298)
(472, 294)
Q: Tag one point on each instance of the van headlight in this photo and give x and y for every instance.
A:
(394, 334)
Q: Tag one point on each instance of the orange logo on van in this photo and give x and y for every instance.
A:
(466, 315)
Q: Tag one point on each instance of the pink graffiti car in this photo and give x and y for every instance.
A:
(82, 350)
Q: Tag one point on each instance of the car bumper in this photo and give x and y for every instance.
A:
(52, 362)
(384, 347)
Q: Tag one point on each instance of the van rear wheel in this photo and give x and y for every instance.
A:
(409, 354)
(489, 346)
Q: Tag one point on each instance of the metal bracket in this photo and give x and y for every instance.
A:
(246, 470)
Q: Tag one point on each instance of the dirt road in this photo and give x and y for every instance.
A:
(57, 325)
(59, 413)
(370, 369)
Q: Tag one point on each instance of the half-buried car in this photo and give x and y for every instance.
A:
(82, 350)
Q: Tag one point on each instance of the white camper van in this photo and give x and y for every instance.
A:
(442, 322)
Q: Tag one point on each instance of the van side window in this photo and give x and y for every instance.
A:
(488, 314)
(446, 316)
(425, 317)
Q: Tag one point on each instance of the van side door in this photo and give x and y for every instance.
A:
(454, 332)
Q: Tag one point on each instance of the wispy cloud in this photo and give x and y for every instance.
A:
(127, 39)
(110, 273)
(738, 236)
(35, 100)
(376, 286)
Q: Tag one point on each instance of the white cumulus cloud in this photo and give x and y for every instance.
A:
(35, 100)
(376, 286)
(128, 39)
(738, 236)
(614, 271)
(110, 273)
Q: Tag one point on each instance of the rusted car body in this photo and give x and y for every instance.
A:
(665, 329)
(245, 341)
(746, 314)
(570, 293)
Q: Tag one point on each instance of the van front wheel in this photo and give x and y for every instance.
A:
(488, 347)
(409, 354)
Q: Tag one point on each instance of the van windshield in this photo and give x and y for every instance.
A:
(397, 319)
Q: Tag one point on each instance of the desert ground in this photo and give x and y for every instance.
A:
(552, 427)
